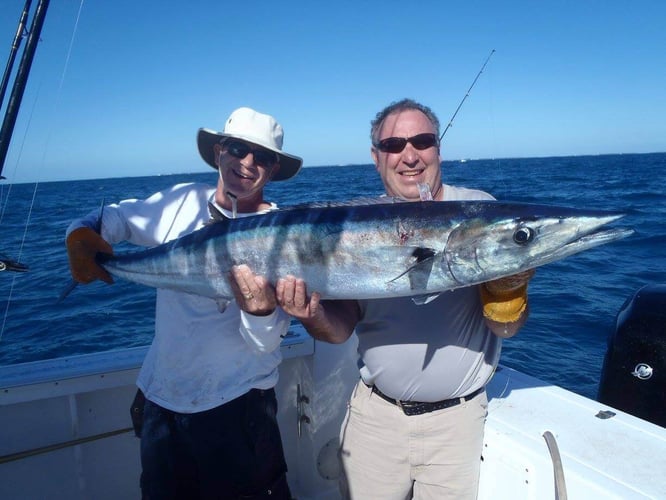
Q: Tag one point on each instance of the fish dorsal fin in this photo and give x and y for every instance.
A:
(215, 214)
(369, 200)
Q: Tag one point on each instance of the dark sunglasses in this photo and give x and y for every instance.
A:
(397, 144)
(240, 150)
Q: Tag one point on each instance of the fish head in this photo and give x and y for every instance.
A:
(496, 239)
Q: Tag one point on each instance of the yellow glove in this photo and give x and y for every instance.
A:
(505, 299)
(83, 244)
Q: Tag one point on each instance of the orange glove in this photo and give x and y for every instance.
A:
(505, 299)
(83, 244)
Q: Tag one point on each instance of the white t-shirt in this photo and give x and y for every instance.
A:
(200, 358)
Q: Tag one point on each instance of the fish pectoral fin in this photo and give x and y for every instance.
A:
(419, 272)
(420, 300)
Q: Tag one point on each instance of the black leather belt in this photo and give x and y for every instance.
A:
(415, 408)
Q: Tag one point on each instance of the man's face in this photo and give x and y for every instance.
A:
(403, 171)
(244, 167)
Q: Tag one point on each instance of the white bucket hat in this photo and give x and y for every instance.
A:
(256, 128)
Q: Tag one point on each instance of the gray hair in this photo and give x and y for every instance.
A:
(398, 106)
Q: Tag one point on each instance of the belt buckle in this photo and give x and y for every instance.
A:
(409, 408)
(402, 407)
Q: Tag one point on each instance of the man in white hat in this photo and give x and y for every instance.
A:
(208, 428)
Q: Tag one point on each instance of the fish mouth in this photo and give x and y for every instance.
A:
(589, 240)
(586, 232)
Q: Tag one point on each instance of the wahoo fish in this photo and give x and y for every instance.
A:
(369, 250)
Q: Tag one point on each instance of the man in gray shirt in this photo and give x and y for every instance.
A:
(414, 426)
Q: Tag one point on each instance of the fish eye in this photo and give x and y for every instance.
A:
(523, 235)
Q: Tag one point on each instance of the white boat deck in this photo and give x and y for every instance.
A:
(616, 457)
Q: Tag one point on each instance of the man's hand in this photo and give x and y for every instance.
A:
(83, 244)
(293, 297)
(254, 294)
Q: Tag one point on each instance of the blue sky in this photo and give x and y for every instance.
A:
(567, 78)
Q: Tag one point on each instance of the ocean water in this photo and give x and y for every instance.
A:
(573, 302)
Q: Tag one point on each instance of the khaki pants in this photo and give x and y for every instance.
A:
(389, 455)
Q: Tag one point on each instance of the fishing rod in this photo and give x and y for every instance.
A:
(20, 80)
(466, 95)
(21, 32)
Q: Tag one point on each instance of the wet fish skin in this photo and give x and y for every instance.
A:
(372, 250)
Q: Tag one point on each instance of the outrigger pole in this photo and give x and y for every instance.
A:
(466, 95)
(21, 76)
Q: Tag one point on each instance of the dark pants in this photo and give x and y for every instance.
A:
(233, 451)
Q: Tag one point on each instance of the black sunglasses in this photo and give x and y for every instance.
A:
(240, 150)
(397, 144)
